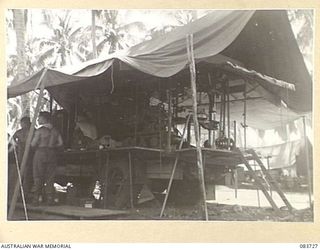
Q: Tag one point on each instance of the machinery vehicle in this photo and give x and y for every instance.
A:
(140, 105)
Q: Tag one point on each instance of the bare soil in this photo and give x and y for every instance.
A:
(218, 212)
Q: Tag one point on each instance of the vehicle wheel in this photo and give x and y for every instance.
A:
(117, 186)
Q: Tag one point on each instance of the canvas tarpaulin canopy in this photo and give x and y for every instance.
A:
(261, 41)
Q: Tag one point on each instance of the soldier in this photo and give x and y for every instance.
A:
(46, 141)
(20, 138)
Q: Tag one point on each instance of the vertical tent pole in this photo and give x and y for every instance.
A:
(136, 117)
(228, 113)
(236, 169)
(236, 182)
(235, 133)
(130, 179)
(221, 114)
(169, 120)
(210, 131)
(189, 133)
(20, 181)
(195, 120)
(211, 103)
(28, 142)
(224, 110)
(258, 193)
(105, 191)
(51, 104)
(245, 117)
(307, 160)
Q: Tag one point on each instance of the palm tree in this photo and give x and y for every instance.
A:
(179, 18)
(59, 49)
(19, 23)
(108, 34)
(93, 33)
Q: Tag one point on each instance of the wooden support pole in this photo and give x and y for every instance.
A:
(28, 145)
(105, 191)
(136, 117)
(51, 104)
(189, 133)
(174, 166)
(20, 182)
(224, 112)
(268, 165)
(221, 115)
(228, 114)
(307, 161)
(195, 121)
(210, 131)
(234, 134)
(257, 186)
(211, 104)
(236, 169)
(169, 120)
(245, 117)
(130, 179)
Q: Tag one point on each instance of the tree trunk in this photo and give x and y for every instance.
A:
(20, 29)
(93, 34)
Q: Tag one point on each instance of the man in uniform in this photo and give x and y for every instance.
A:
(46, 141)
(20, 138)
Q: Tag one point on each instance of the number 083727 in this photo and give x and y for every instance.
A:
(309, 245)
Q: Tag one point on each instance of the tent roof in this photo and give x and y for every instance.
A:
(233, 40)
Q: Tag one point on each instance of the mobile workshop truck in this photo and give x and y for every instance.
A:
(167, 111)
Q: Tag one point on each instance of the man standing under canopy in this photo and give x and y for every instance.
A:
(20, 138)
(46, 141)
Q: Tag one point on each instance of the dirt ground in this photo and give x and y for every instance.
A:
(218, 212)
(224, 208)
